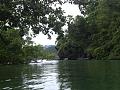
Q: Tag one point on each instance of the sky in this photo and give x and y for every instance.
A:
(69, 9)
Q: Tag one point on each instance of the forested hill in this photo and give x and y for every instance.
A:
(95, 35)
(50, 48)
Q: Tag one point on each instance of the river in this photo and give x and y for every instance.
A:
(61, 75)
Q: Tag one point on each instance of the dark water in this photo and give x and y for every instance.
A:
(62, 75)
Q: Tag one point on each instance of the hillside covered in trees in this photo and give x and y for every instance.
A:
(95, 35)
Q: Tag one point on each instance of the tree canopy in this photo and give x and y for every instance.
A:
(17, 17)
(97, 33)
(94, 35)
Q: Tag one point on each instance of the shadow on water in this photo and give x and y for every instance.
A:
(63, 75)
(10, 77)
(89, 75)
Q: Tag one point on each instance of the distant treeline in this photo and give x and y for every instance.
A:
(15, 50)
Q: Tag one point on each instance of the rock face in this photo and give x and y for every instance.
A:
(71, 55)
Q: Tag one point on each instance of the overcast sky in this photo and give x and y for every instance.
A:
(70, 10)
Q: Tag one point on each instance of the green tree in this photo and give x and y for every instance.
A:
(37, 15)
(106, 37)
(11, 47)
(17, 17)
(33, 52)
(75, 41)
(97, 33)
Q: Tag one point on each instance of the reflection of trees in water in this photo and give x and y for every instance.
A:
(32, 75)
(73, 73)
(63, 75)
(17, 76)
(31, 70)
(40, 77)
(11, 77)
(89, 75)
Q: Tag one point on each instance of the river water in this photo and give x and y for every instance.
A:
(61, 75)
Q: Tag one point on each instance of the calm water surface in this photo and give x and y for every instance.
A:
(61, 75)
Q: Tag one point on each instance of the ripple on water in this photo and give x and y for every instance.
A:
(41, 82)
(18, 87)
(7, 88)
(8, 80)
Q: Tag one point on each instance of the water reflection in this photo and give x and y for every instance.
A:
(62, 75)
(89, 75)
(43, 77)
(11, 77)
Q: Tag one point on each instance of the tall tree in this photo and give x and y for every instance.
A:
(75, 41)
(37, 15)
(11, 47)
(17, 17)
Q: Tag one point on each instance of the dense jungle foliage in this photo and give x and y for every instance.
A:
(15, 50)
(96, 35)
(17, 18)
